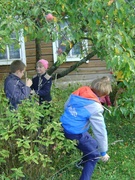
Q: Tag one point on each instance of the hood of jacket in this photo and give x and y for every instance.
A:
(86, 92)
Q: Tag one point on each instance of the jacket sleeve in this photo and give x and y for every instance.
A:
(108, 101)
(99, 131)
(17, 92)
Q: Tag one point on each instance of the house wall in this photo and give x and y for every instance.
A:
(95, 67)
(3, 72)
(46, 52)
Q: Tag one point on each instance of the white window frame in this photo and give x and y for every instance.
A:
(22, 51)
(68, 58)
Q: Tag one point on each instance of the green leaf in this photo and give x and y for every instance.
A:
(118, 5)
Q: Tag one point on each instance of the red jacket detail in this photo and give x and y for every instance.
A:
(86, 92)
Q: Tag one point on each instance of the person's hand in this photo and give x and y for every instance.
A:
(28, 82)
(105, 158)
(32, 92)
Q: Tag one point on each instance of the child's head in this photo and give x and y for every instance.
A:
(42, 66)
(17, 67)
(105, 78)
(101, 87)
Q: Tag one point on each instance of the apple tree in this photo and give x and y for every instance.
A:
(108, 25)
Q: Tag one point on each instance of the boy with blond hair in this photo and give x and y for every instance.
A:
(82, 111)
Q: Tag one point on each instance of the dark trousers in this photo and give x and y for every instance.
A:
(89, 147)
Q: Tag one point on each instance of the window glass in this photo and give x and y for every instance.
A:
(60, 45)
(75, 52)
(3, 55)
(13, 51)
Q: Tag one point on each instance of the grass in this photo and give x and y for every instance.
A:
(121, 150)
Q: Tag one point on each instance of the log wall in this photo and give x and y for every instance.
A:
(95, 67)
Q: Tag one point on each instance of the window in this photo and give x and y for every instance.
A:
(75, 52)
(12, 52)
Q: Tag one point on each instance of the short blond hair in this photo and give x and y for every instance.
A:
(101, 86)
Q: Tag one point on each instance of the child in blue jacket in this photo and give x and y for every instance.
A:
(15, 89)
(42, 82)
(82, 111)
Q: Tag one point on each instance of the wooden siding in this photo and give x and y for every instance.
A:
(46, 53)
(86, 72)
(94, 68)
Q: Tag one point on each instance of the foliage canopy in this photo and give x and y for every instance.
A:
(109, 25)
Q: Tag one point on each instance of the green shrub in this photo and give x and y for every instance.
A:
(28, 148)
(33, 146)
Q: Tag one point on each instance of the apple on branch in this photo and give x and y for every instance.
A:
(49, 17)
(59, 51)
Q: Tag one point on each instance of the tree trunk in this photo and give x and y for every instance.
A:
(38, 49)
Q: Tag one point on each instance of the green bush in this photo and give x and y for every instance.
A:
(29, 148)
(33, 146)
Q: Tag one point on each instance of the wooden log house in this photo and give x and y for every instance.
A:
(88, 71)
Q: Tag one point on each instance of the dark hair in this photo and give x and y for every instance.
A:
(17, 65)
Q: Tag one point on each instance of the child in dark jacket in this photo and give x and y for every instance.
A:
(15, 89)
(42, 82)
(83, 110)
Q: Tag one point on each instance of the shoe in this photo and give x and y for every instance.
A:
(79, 164)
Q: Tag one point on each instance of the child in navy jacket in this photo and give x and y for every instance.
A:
(15, 89)
(42, 82)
